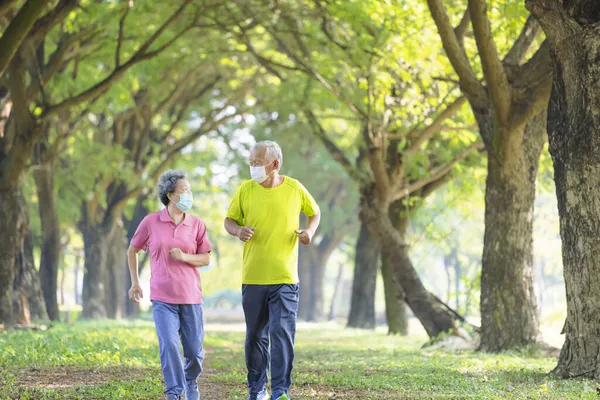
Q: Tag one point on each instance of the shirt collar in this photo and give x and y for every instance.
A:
(164, 217)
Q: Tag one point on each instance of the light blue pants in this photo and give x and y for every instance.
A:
(175, 323)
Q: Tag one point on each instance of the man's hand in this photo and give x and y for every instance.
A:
(304, 235)
(245, 233)
(177, 254)
(136, 293)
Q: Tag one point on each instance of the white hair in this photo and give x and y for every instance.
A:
(272, 150)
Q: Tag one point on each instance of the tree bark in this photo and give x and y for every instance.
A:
(13, 228)
(336, 289)
(574, 138)
(76, 269)
(362, 305)
(508, 302)
(48, 209)
(457, 277)
(115, 273)
(395, 309)
(313, 264)
(96, 239)
(28, 301)
(433, 315)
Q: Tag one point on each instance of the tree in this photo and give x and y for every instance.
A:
(151, 134)
(573, 129)
(508, 107)
(394, 162)
(27, 86)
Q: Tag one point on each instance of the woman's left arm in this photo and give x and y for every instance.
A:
(195, 260)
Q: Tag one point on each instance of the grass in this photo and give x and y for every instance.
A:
(119, 360)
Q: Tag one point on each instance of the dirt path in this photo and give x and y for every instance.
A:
(62, 378)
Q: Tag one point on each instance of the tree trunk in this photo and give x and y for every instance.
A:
(13, 229)
(115, 273)
(76, 269)
(362, 305)
(28, 300)
(508, 304)
(336, 289)
(574, 138)
(395, 309)
(433, 315)
(96, 239)
(457, 277)
(313, 261)
(44, 182)
(323, 253)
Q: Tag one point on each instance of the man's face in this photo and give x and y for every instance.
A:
(257, 159)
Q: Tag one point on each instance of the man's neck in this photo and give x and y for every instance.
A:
(273, 181)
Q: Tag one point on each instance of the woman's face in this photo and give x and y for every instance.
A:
(183, 186)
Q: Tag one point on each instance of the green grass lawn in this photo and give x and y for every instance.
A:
(119, 360)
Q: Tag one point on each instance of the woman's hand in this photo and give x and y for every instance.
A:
(177, 254)
(136, 293)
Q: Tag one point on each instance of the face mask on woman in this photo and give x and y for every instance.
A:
(185, 201)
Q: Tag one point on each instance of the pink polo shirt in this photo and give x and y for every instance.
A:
(172, 281)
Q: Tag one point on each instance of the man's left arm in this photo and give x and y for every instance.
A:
(312, 211)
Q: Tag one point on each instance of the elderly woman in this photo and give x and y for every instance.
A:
(178, 244)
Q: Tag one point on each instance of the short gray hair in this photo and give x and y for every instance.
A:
(167, 184)
(272, 150)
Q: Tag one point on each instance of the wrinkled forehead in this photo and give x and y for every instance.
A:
(182, 185)
(257, 154)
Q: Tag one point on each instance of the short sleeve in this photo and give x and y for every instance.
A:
(235, 211)
(309, 205)
(203, 244)
(142, 235)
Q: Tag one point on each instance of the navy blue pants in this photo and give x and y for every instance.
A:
(271, 312)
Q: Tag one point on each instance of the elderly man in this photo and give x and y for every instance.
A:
(265, 214)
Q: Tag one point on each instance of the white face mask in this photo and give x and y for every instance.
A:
(259, 174)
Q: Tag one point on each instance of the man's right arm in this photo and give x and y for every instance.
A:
(244, 233)
(232, 227)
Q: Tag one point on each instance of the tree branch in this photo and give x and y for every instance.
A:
(17, 31)
(120, 37)
(336, 153)
(523, 43)
(118, 72)
(6, 5)
(555, 21)
(462, 27)
(534, 82)
(58, 57)
(44, 25)
(456, 54)
(144, 47)
(436, 125)
(315, 74)
(438, 173)
(495, 76)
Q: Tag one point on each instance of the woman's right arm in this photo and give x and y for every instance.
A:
(135, 293)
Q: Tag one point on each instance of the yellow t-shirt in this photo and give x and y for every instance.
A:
(271, 255)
